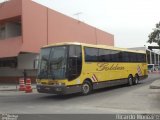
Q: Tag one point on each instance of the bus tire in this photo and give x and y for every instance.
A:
(136, 80)
(86, 88)
(130, 80)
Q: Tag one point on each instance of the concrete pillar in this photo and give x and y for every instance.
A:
(155, 62)
(158, 60)
(151, 62)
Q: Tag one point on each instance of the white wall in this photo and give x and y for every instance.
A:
(26, 61)
(10, 72)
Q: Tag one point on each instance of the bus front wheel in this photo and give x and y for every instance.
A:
(86, 88)
(130, 80)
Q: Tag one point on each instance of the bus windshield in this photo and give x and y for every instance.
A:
(53, 63)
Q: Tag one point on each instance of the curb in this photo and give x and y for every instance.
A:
(155, 84)
(9, 90)
(154, 87)
(12, 89)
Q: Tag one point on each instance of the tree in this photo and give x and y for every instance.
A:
(154, 36)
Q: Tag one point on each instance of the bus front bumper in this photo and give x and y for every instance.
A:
(56, 89)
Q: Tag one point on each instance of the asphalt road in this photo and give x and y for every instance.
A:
(121, 99)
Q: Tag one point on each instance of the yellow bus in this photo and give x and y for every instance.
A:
(66, 68)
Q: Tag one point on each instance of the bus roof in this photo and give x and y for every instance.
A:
(95, 46)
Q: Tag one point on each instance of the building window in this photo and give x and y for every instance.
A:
(11, 63)
(2, 32)
(10, 29)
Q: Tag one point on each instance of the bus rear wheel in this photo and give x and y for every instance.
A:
(136, 80)
(86, 88)
(130, 80)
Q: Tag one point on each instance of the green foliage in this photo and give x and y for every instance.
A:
(154, 37)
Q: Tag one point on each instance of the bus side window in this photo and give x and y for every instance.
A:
(75, 61)
(91, 54)
(101, 55)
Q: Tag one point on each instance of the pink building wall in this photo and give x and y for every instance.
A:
(10, 47)
(63, 28)
(34, 22)
(10, 9)
(41, 26)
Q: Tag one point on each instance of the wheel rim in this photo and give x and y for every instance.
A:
(86, 88)
(130, 81)
(136, 80)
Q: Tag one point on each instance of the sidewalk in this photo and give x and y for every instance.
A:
(155, 84)
(12, 87)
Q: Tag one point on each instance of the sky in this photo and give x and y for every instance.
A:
(130, 21)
